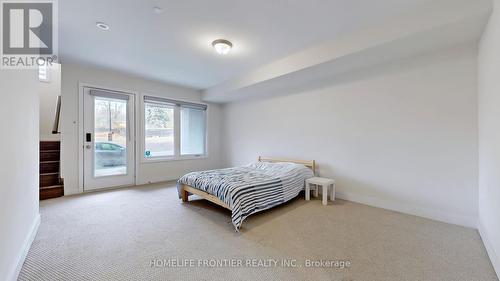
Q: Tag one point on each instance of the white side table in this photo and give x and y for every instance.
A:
(325, 183)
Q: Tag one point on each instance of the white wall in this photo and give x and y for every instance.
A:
(146, 172)
(489, 137)
(401, 136)
(19, 216)
(49, 90)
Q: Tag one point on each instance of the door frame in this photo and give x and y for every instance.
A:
(81, 133)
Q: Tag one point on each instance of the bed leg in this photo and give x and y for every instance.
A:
(184, 195)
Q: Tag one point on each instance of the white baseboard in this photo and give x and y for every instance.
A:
(439, 215)
(495, 260)
(27, 245)
(157, 180)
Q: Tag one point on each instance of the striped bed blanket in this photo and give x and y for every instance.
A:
(252, 188)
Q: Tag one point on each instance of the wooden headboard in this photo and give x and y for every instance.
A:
(308, 163)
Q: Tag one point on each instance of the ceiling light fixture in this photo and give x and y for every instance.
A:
(222, 46)
(102, 25)
(157, 10)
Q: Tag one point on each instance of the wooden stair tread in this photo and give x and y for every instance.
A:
(48, 162)
(50, 145)
(52, 186)
(54, 192)
(49, 174)
(51, 150)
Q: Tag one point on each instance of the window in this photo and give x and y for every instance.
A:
(173, 129)
(192, 131)
(43, 73)
(159, 130)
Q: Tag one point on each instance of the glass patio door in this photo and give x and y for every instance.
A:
(108, 139)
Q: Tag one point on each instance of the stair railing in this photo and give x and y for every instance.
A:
(55, 127)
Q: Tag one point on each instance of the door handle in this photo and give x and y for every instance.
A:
(88, 139)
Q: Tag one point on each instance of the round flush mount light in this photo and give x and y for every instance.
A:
(222, 46)
(157, 10)
(102, 25)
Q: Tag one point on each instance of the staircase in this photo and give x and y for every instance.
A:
(51, 185)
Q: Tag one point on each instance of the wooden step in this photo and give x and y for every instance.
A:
(49, 167)
(51, 192)
(50, 145)
(49, 179)
(51, 185)
(50, 155)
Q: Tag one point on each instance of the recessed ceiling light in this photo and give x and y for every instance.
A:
(222, 46)
(102, 25)
(157, 10)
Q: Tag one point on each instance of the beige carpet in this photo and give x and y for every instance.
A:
(115, 235)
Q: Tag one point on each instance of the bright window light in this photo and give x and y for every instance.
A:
(159, 130)
(43, 73)
(192, 131)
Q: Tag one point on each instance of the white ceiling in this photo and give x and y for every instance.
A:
(174, 46)
(408, 34)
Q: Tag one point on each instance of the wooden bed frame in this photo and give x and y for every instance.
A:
(187, 190)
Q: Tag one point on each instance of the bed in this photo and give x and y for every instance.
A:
(249, 189)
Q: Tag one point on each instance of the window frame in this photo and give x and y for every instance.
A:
(177, 133)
